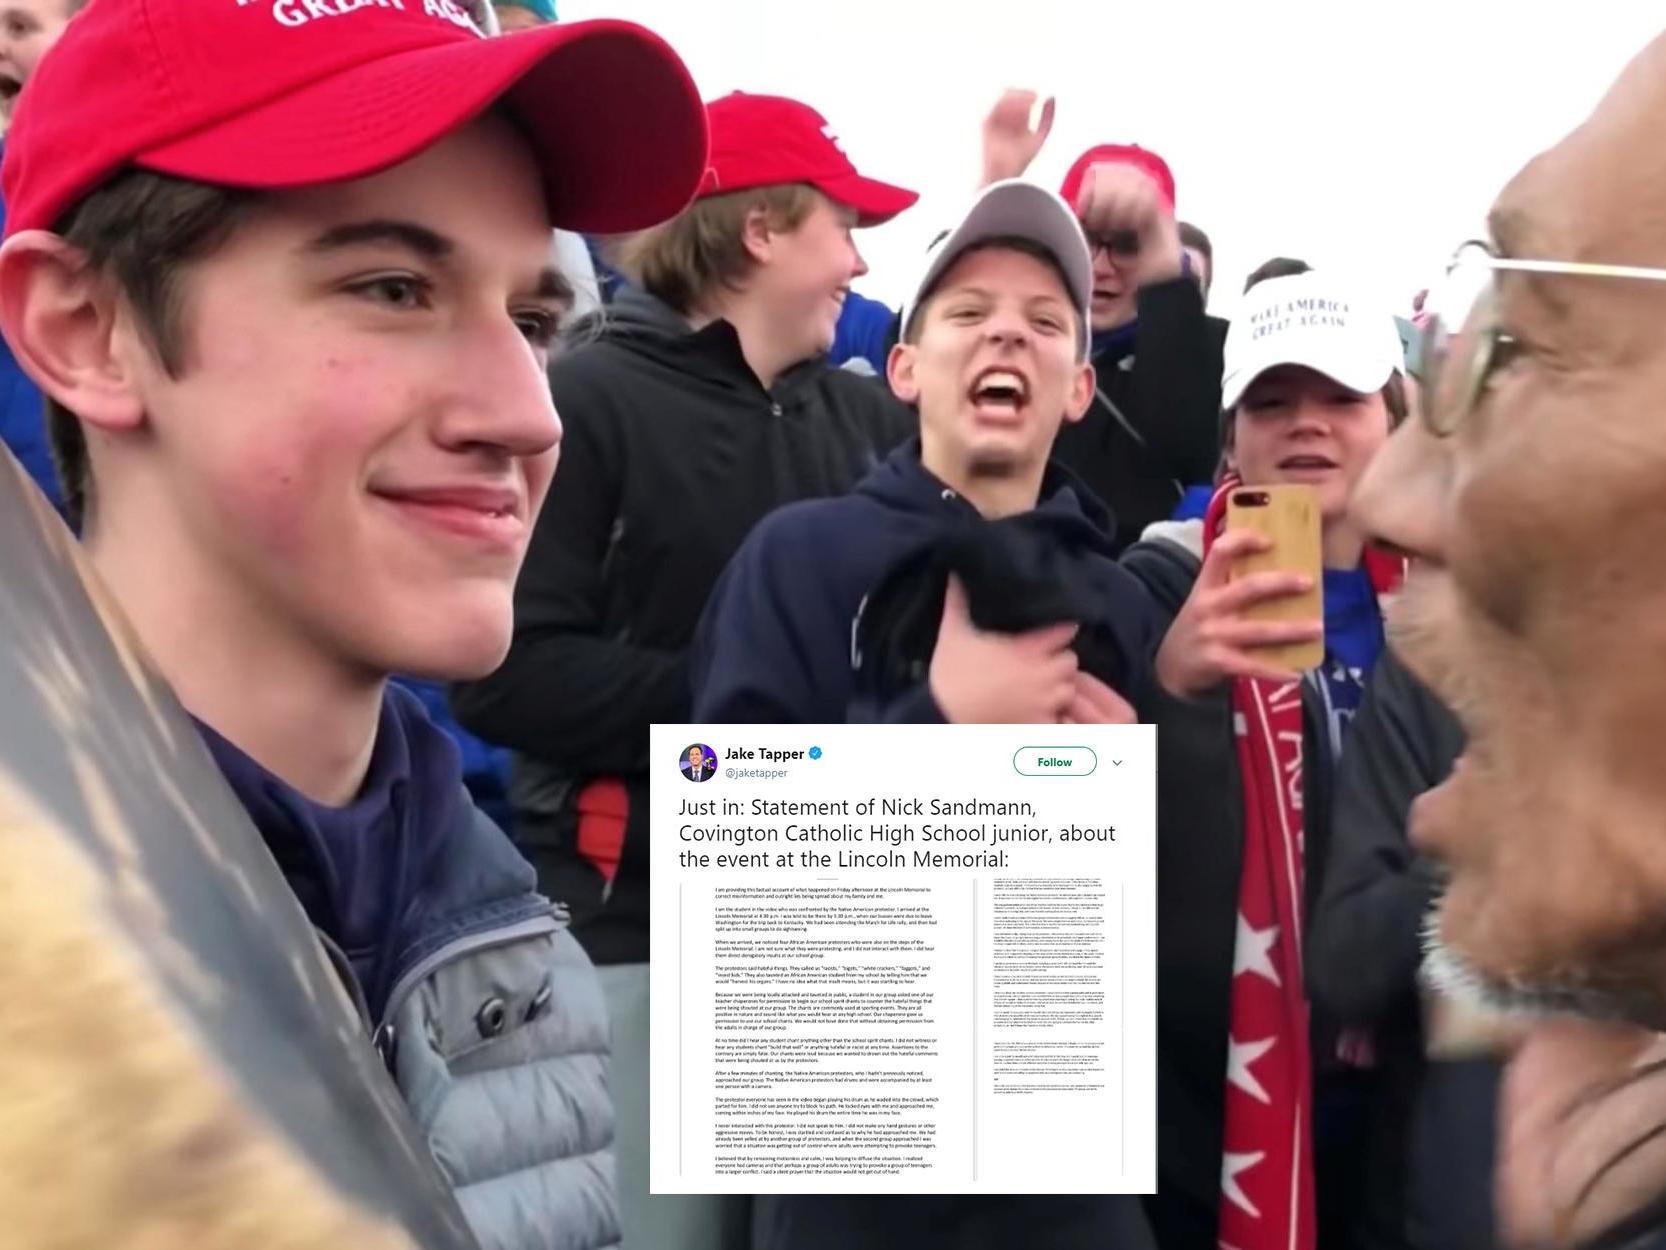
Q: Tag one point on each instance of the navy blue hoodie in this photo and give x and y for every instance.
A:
(775, 646)
(775, 643)
(405, 866)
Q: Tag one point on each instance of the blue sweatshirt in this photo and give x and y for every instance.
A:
(486, 768)
(1353, 642)
(365, 872)
(863, 332)
(775, 642)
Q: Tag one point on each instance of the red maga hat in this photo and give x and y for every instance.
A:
(1118, 154)
(766, 140)
(290, 93)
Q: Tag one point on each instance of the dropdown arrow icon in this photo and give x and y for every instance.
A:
(1114, 763)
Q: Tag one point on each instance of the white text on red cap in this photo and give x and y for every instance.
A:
(300, 12)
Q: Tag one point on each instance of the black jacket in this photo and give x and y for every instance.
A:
(1200, 841)
(830, 610)
(1154, 427)
(1368, 924)
(672, 452)
(1364, 952)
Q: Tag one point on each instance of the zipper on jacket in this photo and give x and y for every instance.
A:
(381, 1037)
(467, 945)
(610, 554)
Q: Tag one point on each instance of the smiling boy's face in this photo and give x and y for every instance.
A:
(360, 435)
(27, 29)
(1295, 425)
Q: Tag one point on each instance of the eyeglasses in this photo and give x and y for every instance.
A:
(1123, 244)
(1469, 302)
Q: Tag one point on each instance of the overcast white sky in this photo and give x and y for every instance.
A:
(1366, 137)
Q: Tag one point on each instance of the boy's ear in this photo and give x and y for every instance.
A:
(899, 372)
(1080, 398)
(65, 325)
(756, 236)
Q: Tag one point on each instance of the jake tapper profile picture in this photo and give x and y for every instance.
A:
(699, 763)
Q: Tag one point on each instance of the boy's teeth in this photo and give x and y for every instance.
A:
(1003, 382)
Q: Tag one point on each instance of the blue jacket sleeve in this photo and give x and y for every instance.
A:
(864, 330)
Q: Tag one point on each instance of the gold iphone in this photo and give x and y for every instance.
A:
(1289, 515)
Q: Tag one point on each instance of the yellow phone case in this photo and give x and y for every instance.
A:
(1289, 515)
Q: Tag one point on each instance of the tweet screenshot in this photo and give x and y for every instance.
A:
(913, 959)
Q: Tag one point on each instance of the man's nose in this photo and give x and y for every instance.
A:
(1404, 497)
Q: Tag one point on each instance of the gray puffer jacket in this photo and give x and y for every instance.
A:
(498, 1040)
(485, 1009)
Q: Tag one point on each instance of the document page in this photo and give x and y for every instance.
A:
(903, 959)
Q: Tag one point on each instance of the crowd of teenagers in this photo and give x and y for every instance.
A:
(289, 333)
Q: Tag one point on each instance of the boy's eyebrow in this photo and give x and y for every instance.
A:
(407, 234)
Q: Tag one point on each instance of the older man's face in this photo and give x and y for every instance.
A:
(1539, 613)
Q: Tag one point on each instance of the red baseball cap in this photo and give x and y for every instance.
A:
(1118, 154)
(767, 140)
(291, 93)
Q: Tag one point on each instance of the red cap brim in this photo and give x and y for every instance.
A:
(612, 114)
(875, 202)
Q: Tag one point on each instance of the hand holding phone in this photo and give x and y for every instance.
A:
(1228, 628)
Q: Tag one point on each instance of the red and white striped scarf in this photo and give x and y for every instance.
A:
(1267, 1163)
